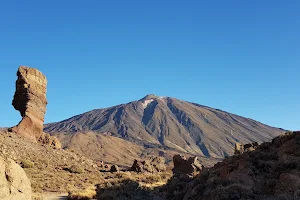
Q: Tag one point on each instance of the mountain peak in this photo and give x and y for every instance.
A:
(149, 96)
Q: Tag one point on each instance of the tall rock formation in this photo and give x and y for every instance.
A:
(30, 99)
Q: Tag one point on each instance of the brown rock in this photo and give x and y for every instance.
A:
(183, 166)
(14, 183)
(159, 164)
(156, 164)
(114, 168)
(271, 171)
(240, 148)
(50, 140)
(100, 163)
(137, 166)
(30, 100)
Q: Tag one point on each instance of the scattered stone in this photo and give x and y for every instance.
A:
(114, 168)
(271, 171)
(157, 164)
(46, 139)
(100, 163)
(183, 166)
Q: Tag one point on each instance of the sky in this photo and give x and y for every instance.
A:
(239, 56)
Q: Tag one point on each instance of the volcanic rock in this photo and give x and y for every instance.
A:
(114, 168)
(14, 183)
(240, 148)
(271, 171)
(183, 166)
(156, 164)
(46, 139)
(30, 100)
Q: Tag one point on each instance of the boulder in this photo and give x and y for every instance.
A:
(137, 166)
(158, 164)
(240, 148)
(100, 163)
(154, 165)
(49, 140)
(30, 100)
(14, 183)
(250, 146)
(114, 168)
(183, 166)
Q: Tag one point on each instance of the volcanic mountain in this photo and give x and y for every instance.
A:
(157, 123)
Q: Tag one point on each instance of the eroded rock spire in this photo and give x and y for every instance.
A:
(30, 99)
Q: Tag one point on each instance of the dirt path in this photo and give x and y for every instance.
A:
(54, 196)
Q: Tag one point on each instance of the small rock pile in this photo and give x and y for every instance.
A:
(186, 167)
(156, 164)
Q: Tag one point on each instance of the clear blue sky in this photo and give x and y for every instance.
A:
(238, 56)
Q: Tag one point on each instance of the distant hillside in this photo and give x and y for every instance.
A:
(161, 123)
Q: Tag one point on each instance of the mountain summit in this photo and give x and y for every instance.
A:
(167, 123)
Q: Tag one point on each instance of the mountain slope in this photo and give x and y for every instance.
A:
(170, 124)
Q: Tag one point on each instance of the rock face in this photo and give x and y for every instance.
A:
(30, 100)
(271, 171)
(183, 166)
(156, 164)
(14, 183)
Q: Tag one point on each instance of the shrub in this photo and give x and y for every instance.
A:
(88, 193)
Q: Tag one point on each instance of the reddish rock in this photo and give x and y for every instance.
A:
(156, 164)
(183, 166)
(30, 100)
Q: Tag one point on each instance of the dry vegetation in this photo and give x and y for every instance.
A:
(124, 185)
(52, 170)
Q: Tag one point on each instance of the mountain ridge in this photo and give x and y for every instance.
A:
(171, 124)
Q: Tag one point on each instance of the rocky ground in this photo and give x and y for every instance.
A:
(59, 171)
(272, 171)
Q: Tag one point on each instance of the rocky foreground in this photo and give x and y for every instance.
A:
(271, 171)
